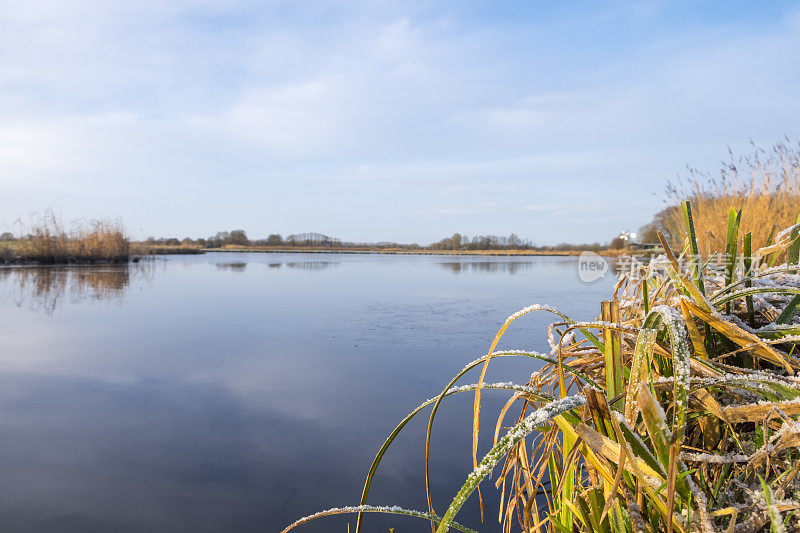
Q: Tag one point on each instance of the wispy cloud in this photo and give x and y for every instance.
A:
(286, 116)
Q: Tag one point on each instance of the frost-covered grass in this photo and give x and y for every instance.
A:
(678, 409)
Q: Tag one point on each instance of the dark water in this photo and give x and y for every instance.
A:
(240, 392)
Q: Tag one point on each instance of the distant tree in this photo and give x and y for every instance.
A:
(7, 236)
(238, 237)
(648, 234)
(274, 239)
(311, 239)
(172, 242)
(187, 241)
(482, 242)
(617, 243)
(221, 238)
(455, 241)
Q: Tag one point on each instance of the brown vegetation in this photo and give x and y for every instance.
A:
(49, 242)
(764, 185)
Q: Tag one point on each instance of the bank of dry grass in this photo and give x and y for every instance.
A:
(406, 251)
(49, 242)
(764, 185)
(145, 249)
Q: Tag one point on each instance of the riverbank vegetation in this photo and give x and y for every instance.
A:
(48, 241)
(678, 409)
(764, 185)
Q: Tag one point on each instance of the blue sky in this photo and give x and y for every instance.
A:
(374, 120)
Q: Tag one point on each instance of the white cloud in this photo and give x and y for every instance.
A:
(382, 108)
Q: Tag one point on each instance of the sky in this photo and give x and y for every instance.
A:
(382, 121)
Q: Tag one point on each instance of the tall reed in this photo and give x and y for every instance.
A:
(764, 186)
(48, 241)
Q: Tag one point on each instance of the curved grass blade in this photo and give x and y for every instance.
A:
(752, 291)
(375, 509)
(499, 450)
(467, 368)
(447, 392)
(476, 409)
(741, 337)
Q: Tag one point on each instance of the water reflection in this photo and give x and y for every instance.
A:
(311, 265)
(44, 289)
(217, 399)
(487, 267)
(233, 267)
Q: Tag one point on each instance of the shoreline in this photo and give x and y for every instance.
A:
(140, 254)
(567, 253)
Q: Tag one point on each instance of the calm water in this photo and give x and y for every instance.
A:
(241, 391)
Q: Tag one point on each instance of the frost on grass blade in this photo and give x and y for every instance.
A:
(772, 509)
(530, 309)
(714, 458)
(498, 452)
(374, 509)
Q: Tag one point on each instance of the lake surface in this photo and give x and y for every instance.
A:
(240, 392)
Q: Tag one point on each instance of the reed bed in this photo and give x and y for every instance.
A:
(764, 185)
(49, 242)
(144, 249)
(677, 410)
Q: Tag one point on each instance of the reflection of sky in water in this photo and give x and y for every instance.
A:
(507, 267)
(188, 396)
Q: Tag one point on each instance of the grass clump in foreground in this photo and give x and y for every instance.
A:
(678, 410)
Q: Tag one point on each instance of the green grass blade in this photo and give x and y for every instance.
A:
(731, 247)
(789, 311)
(771, 258)
(748, 266)
(793, 252)
(694, 250)
(776, 522)
(724, 298)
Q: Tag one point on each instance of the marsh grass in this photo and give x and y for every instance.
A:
(764, 185)
(147, 249)
(48, 241)
(677, 410)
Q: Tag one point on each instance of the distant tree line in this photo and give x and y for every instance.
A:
(512, 242)
(457, 241)
(482, 242)
(238, 237)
